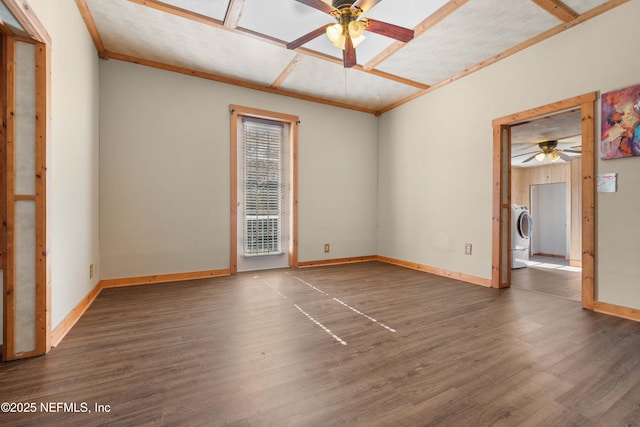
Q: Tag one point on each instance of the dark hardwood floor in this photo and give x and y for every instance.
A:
(549, 276)
(366, 344)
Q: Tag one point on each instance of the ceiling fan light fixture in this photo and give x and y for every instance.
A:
(554, 156)
(356, 32)
(357, 41)
(335, 33)
(356, 29)
(540, 156)
(340, 43)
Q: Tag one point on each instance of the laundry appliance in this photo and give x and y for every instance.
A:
(521, 228)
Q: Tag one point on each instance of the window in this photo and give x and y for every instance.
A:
(264, 193)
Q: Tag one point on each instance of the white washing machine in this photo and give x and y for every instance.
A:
(521, 227)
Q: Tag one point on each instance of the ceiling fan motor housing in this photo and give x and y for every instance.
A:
(343, 12)
(547, 146)
(339, 4)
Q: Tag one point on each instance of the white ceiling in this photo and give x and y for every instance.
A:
(452, 39)
(565, 127)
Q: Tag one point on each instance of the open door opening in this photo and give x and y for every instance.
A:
(503, 229)
(546, 192)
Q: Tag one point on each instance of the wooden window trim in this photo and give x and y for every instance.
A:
(236, 112)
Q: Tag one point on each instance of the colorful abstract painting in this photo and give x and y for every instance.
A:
(620, 123)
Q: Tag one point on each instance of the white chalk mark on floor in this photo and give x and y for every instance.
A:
(364, 315)
(311, 286)
(335, 337)
(277, 291)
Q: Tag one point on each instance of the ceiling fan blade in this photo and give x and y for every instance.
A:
(524, 154)
(530, 158)
(566, 150)
(307, 37)
(565, 157)
(349, 53)
(318, 4)
(364, 5)
(395, 32)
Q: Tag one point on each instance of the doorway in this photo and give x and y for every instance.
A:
(263, 189)
(549, 232)
(502, 197)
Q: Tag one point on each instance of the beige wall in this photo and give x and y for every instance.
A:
(436, 165)
(165, 168)
(74, 155)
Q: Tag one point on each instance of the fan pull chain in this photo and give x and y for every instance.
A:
(345, 83)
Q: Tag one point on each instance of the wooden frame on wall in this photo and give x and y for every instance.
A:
(236, 112)
(41, 40)
(501, 229)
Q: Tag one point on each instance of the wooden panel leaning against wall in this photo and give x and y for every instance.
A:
(25, 106)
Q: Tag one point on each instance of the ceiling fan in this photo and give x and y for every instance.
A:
(548, 149)
(347, 33)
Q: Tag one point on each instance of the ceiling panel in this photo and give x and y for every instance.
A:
(477, 31)
(559, 126)
(287, 21)
(284, 20)
(582, 6)
(407, 13)
(319, 77)
(189, 44)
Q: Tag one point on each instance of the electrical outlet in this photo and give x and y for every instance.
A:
(91, 271)
(326, 248)
(467, 248)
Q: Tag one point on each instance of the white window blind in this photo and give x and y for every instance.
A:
(263, 195)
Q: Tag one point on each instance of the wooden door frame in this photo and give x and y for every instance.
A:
(501, 229)
(38, 35)
(237, 112)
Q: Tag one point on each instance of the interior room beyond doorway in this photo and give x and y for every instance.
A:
(545, 186)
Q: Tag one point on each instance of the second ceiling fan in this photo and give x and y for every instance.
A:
(347, 32)
(549, 150)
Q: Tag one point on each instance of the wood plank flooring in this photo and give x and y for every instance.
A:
(366, 344)
(549, 276)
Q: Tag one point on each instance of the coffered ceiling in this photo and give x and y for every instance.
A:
(243, 42)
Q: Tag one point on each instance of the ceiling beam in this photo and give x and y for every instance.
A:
(419, 29)
(178, 11)
(558, 9)
(393, 77)
(21, 10)
(91, 26)
(287, 71)
(378, 73)
(234, 12)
